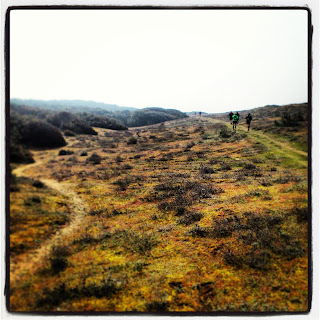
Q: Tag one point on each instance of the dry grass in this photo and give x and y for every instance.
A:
(186, 217)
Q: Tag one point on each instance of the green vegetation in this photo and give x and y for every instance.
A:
(102, 122)
(68, 121)
(82, 114)
(150, 116)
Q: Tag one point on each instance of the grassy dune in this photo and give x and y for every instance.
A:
(182, 216)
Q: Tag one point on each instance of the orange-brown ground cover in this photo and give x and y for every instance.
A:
(191, 217)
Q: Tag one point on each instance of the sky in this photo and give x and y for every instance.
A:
(190, 60)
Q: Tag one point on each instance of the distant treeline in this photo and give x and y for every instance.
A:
(107, 116)
(34, 126)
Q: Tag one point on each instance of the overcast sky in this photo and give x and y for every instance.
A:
(208, 60)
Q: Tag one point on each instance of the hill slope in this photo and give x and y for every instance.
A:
(191, 217)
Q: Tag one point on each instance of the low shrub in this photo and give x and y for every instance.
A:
(38, 184)
(122, 184)
(301, 213)
(233, 259)
(205, 170)
(258, 259)
(198, 231)
(189, 218)
(118, 159)
(190, 145)
(139, 243)
(250, 166)
(72, 122)
(132, 140)
(94, 159)
(32, 200)
(53, 298)
(59, 260)
(225, 133)
(225, 226)
(20, 154)
(157, 306)
(293, 250)
(225, 167)
(64, 152)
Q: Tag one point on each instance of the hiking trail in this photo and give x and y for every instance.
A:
(31, 260)
(282, 149)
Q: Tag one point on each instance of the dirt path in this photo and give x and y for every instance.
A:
(30, 261)
(282, 145)
(282, 149)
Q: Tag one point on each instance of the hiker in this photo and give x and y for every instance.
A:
(238, 115)
(235, 119)
(248, 119)
(230, 117)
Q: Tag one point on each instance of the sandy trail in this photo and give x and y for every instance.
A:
(282, 145)
(283, 148)
(30, 261)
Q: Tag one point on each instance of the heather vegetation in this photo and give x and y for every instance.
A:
(182, 216)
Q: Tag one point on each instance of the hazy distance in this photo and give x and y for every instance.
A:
(208, 60)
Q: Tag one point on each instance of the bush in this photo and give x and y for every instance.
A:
(38, 133)
(225, 133)
(198, 231)
(94, 159)
(225, 167)
(301, 213)
(205, 170)
(68, 121)
(122, 184)
(289, 120)
(59, 258)
(63, 152)
(157, 306)
(190, 145)
(132, 140)
(118, 159)
(189, 218)
(178, 195)
(225, 227)
(258, 260)
(250, 166)
(139, 243)
(32, 200)
(53, 298)
(83, 153)
(233, 259)
(150, 116)
(20, 154)
(102, 121)
(38, 184)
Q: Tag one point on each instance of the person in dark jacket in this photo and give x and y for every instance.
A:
(230, 117)
(248, 120)
(238, 115)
